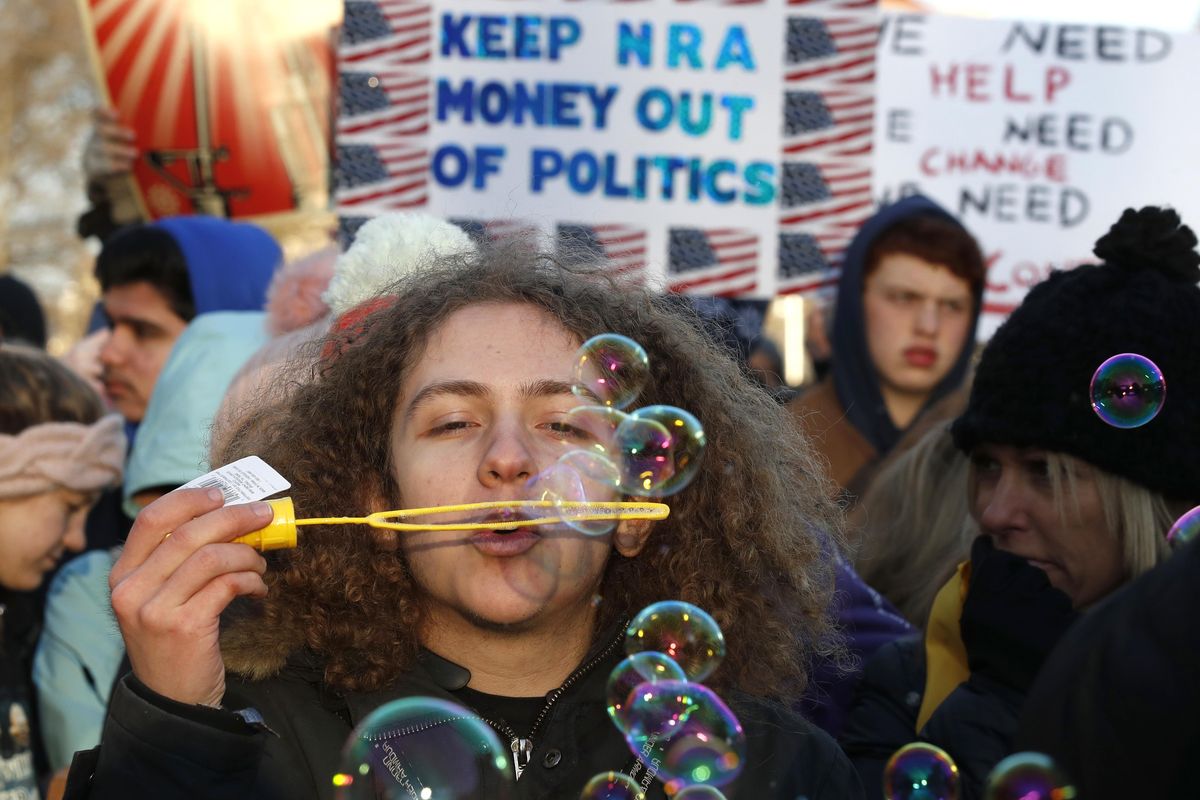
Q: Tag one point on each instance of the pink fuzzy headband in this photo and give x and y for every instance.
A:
(69, 455)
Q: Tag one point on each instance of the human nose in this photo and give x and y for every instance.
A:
(75, 539)
(508, 459)
(929, 317)
(116, 347)
(1002, 507)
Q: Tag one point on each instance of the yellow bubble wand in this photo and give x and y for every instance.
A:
(281, 533)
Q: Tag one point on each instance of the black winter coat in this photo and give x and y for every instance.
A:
(975, 724)
(153, 747)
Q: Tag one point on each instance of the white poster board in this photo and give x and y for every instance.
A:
(715, 148)
(1037, 135)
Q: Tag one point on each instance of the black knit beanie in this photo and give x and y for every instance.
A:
(1032, 385)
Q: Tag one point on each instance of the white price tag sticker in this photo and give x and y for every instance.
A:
(243, 481)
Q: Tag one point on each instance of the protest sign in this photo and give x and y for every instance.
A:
(721, 150)
(1036, 134)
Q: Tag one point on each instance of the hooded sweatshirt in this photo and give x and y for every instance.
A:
(852, 395)
(229, 264)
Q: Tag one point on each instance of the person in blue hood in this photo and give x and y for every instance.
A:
(156, 278)
(907, 306)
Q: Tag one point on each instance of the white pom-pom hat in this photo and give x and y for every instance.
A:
(385, 249)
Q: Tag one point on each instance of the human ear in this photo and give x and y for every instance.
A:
(631, 536)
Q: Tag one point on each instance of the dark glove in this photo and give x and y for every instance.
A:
(1012, 617)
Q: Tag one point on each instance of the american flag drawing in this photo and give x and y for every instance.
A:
(383, 102)
(621, 247)
(828, 128)
(834, 122)
(838, 51)
(400, 31)
(380, 176)
(713, 261)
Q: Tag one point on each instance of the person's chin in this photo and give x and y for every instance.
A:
(502, 617)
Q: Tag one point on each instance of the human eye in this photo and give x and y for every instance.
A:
(565, 431)
(984, 463)
(903, 297)
(450, 427)
(956, 307)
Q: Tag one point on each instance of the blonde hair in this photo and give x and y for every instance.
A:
(916, 524)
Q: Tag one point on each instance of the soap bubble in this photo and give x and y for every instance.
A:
(597, 429)
(612, 369)
(1128, 390)
(681, 630)
(660, 449)
(920, 771)
(1028, 776)
(700, 791)
(688, 731)
(637, 669)
(426, 748)
(612, 786)
(1185, 528)
(577, 478)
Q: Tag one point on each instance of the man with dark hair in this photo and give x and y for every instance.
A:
(155, 278)
(907, 307)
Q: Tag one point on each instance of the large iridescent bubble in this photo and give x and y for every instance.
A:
(686, 732)
(632, 672)
(660, 449)
(1128, 390)
(612, 786)
(1028, 776)
(920, 771)
(681, 630)
(611, 369)
(425, 748)
(1185, 528)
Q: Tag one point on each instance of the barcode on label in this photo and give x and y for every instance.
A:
(228, 492)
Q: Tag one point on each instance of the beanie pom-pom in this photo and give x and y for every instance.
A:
(1152, 238)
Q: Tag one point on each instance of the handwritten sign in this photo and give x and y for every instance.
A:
(1036, 134)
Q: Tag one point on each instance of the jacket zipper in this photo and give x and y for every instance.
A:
(522, 747)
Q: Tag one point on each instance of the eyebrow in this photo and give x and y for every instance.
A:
(539, 388)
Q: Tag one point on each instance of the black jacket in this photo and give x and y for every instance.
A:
(153, 747)
(1117, 705)
(975, 724)
(21, 758)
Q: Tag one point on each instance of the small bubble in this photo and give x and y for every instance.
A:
(611, 369)
(1128, 390)
(1028, 776)
(920, 771)
(1185, 528)
(682, 631)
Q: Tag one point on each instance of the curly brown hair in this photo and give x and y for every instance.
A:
(750, 541)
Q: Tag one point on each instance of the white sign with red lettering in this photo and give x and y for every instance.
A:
(1037, 135)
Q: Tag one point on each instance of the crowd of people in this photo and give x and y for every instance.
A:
(936, 542)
